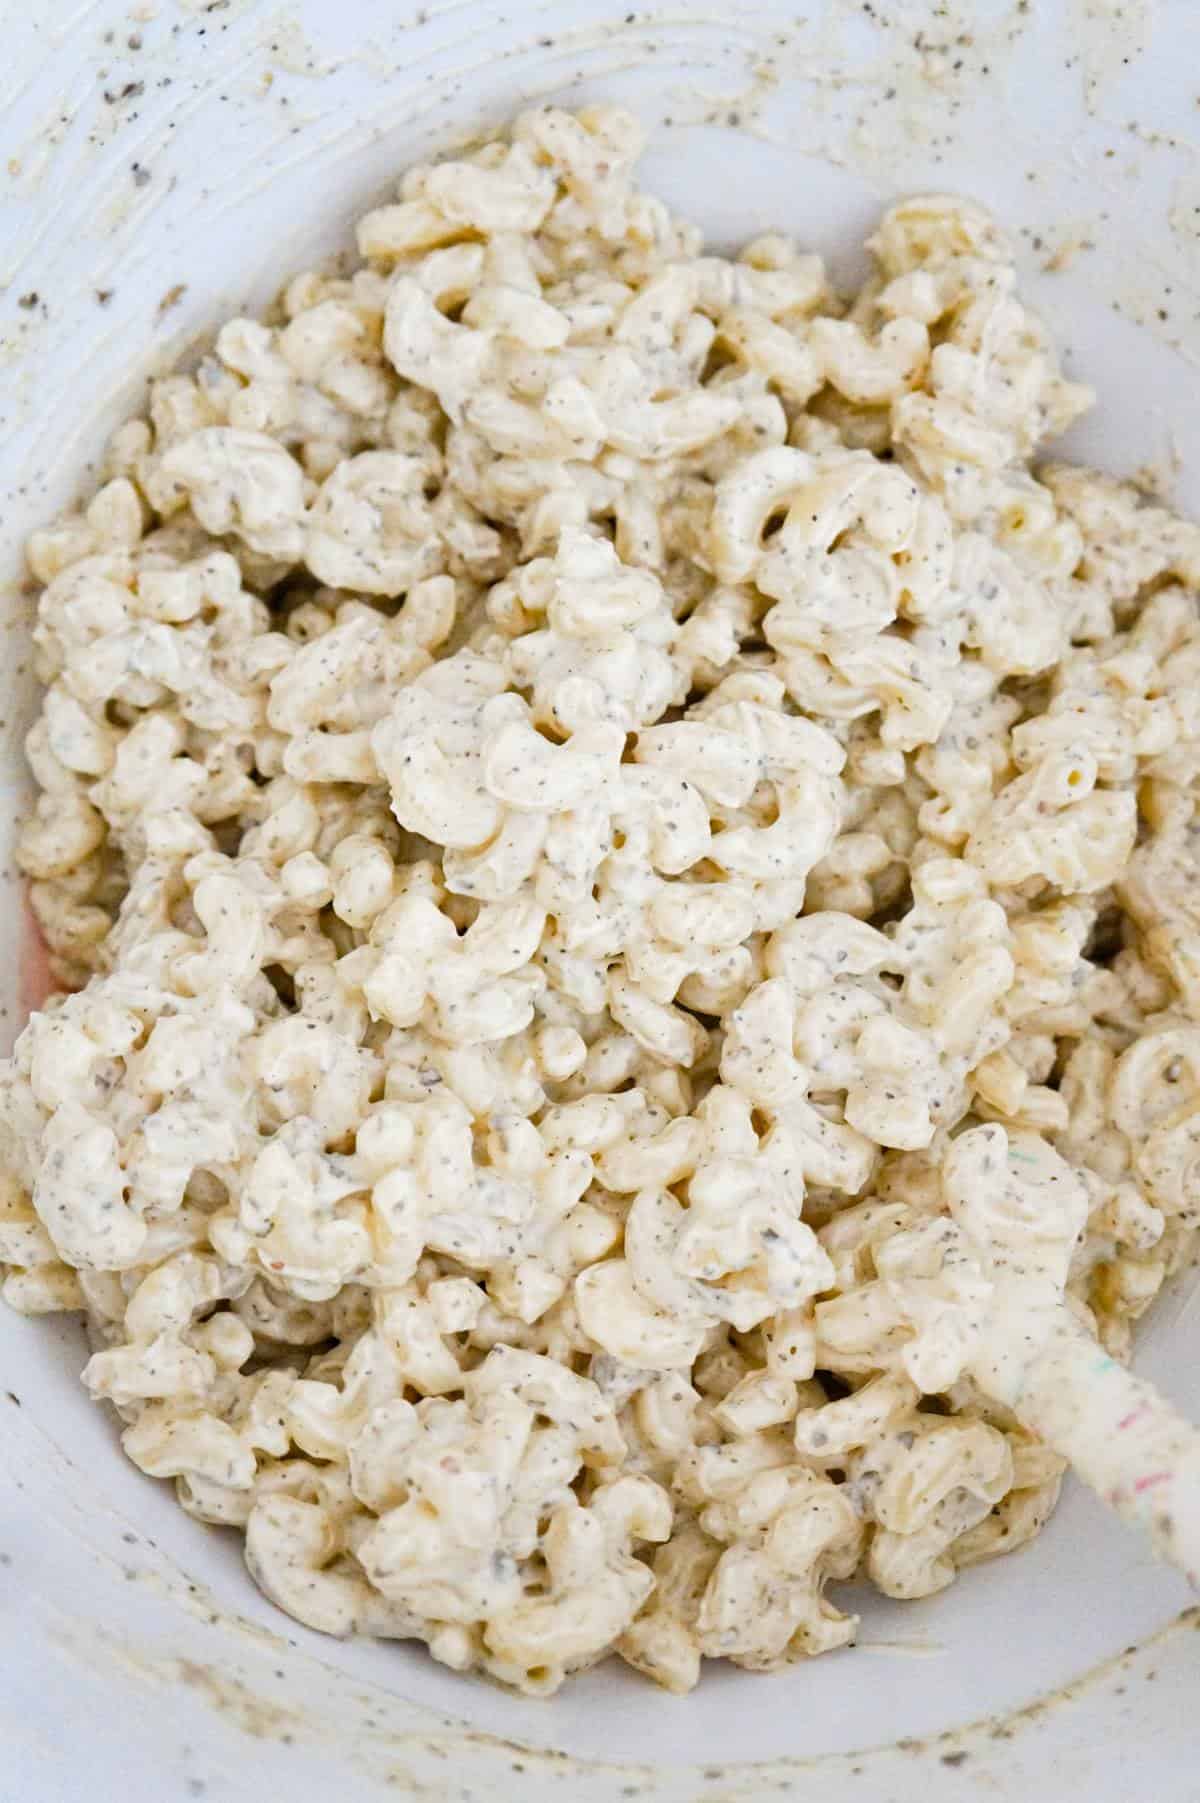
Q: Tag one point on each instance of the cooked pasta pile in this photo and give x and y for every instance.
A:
(585, 786)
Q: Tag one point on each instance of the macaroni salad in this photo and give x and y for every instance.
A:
(606, 836)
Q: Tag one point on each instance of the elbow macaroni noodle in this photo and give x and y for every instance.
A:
(619, 860)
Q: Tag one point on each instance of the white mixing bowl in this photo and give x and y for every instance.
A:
(166, 166)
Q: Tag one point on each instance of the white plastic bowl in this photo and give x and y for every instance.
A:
(167, 165)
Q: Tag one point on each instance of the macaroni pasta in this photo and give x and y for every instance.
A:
(619, 859)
